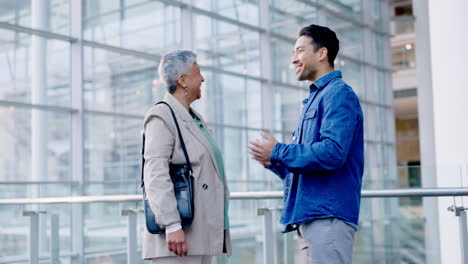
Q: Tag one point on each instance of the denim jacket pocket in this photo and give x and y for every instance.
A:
(310, 125)
(310, 114)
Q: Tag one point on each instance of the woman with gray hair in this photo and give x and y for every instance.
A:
(209, 233)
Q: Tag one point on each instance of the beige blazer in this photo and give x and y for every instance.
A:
(162, 146)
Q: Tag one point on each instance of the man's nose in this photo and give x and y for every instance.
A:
(294, 60)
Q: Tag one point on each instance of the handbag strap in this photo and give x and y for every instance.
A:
(182, 143)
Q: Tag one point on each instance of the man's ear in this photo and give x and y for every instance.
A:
(323, 54)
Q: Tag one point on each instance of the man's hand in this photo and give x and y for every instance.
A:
(261, 150)
(176, 242)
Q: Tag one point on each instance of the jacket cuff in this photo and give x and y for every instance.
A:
(173, 227)
(275, 153)
(167, 219)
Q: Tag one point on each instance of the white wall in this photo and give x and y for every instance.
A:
(443, 92)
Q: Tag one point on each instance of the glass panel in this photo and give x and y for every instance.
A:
(389, 229)
(350, 36)
(288, 107)
(391, 133)
(227, 46)
(353, 74)
(386, 232)
(372, 90)
(403, 228)
(119, 83)
(243, 173)
(230, 100)
(36, 143)
(376, 92)
(112, 150)
(377, 14)
(15, 231)
(55, 13)
(25, 189)
(347, 7)
(34, 69)
(289, 17)
(258, 176)
(404, 57)
(148, 26)
(283, 70)
(371, 123)
(247, 232)
(402, 25)
(105, 230)
(382, 87)
(384, 123)
(243, 11)
(383, 119)
(233, 143)
(47, 134)
(379, 48)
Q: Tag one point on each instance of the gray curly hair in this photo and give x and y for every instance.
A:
(173, 64)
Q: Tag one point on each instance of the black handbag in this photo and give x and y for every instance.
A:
(182, 178)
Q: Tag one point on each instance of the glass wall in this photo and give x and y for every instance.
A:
(76, 82)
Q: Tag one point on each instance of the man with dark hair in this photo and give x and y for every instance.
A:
(323, 165)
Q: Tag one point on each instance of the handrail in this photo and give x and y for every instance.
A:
(422, 192)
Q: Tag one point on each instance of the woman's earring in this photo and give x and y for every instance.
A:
(186, 95)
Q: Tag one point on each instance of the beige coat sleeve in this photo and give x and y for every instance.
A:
(159, 145)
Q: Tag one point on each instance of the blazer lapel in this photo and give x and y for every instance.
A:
(192, 126)
(198, 134)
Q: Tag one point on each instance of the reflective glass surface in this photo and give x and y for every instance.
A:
(34, 69)
(148, 26)
(35, 145)
(119, 83)
(119, 52)
(242, 11)
(51, 15)
(226, 46)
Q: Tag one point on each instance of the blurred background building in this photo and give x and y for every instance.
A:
(76, 78)
(427, 58)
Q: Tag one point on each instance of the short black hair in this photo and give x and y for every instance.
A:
(323, 37)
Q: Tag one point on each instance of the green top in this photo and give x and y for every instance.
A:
(219, 162)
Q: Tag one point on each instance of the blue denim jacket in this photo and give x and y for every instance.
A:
(322, 167)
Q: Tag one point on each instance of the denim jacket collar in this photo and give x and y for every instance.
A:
(324, 80)
(322, 83)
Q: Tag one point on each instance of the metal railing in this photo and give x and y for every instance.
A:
(421, 192)
(268, 224)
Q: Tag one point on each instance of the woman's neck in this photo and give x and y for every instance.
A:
(180, 96)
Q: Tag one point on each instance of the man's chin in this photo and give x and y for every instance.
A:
(304, 76)
(300, 77)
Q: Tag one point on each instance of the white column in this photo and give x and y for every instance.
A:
(187, 26)
(267, 99)
(266, 66)
(441, 57)
(77, 124)
(426, 129)
(39, 153)
(39, 20)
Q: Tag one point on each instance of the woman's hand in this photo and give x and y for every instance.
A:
(176, 242)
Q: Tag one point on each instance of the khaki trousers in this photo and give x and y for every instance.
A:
(326, 241)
